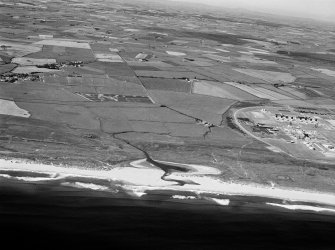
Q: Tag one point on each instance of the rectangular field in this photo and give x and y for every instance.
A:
(251, 90)
(170, 74)
(166, 84)
(217, 89)
(275, 95)
(71, 44)
(268, 76)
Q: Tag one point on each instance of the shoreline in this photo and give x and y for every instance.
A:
(142, 176)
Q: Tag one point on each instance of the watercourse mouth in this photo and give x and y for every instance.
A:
(169, 169)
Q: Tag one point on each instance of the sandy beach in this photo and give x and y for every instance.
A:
(142, 176)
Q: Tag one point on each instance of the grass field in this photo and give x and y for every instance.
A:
(70, 44)
(25, 61)
(274, 94)
(170, 74)
(268, 76)
(64, 54)
(8, 107)
(251, 90)
(166, 84)
(206, 108)
(217, 89)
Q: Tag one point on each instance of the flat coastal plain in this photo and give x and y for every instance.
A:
(174, 87)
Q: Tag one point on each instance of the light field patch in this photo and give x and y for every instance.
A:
(269, 76)
(213, 89)
(262, 43)
(254, 59)
(10, 108)
(332, 122)
(257, 115)
(217, 57)
(275, 95)
(251, 90)
(175, 53)
(18, 49)
(108, 57)
(294, 92)
(71, 44)
(223, 50)
(26, 61)
(31, 69)
(325, 71)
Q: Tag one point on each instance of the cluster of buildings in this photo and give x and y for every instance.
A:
(13, 77)
(296, 119)
(311, 139)
(301, 127)
(58, 66)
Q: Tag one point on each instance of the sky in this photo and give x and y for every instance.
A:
(316, 9)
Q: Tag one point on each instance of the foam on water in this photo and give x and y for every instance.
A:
(183, 197)
(222, 202)
(85, 185)
(303, 207)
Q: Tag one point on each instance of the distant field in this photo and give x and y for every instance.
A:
(309, 56)
(294, 92)
(25, 61)
(233, 75)
(6, 68)
(112, 69)
(154, 64)
(280, 90)
(144, 67)
(64, 54)
(217, 89)
(269, 76)
(252, 91)
(207, 108)
(31, 69)
(274, 94)
(108, 57)
(326, 71)
(8, 107)
(170, 74)
(166, 84)
(71, 44)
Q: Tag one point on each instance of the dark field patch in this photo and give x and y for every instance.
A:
(155, 38)
(306, 56)
(313, 82)
(112, 69)
(5, 58)
(100, 47)
(64, 54)
(6, 68)
(246, 21)
(266, 67)
(149, 68)
(309, 92)
(171, 74)
(172, 63)
(217, 37)
(232, 125)
(166, 84)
